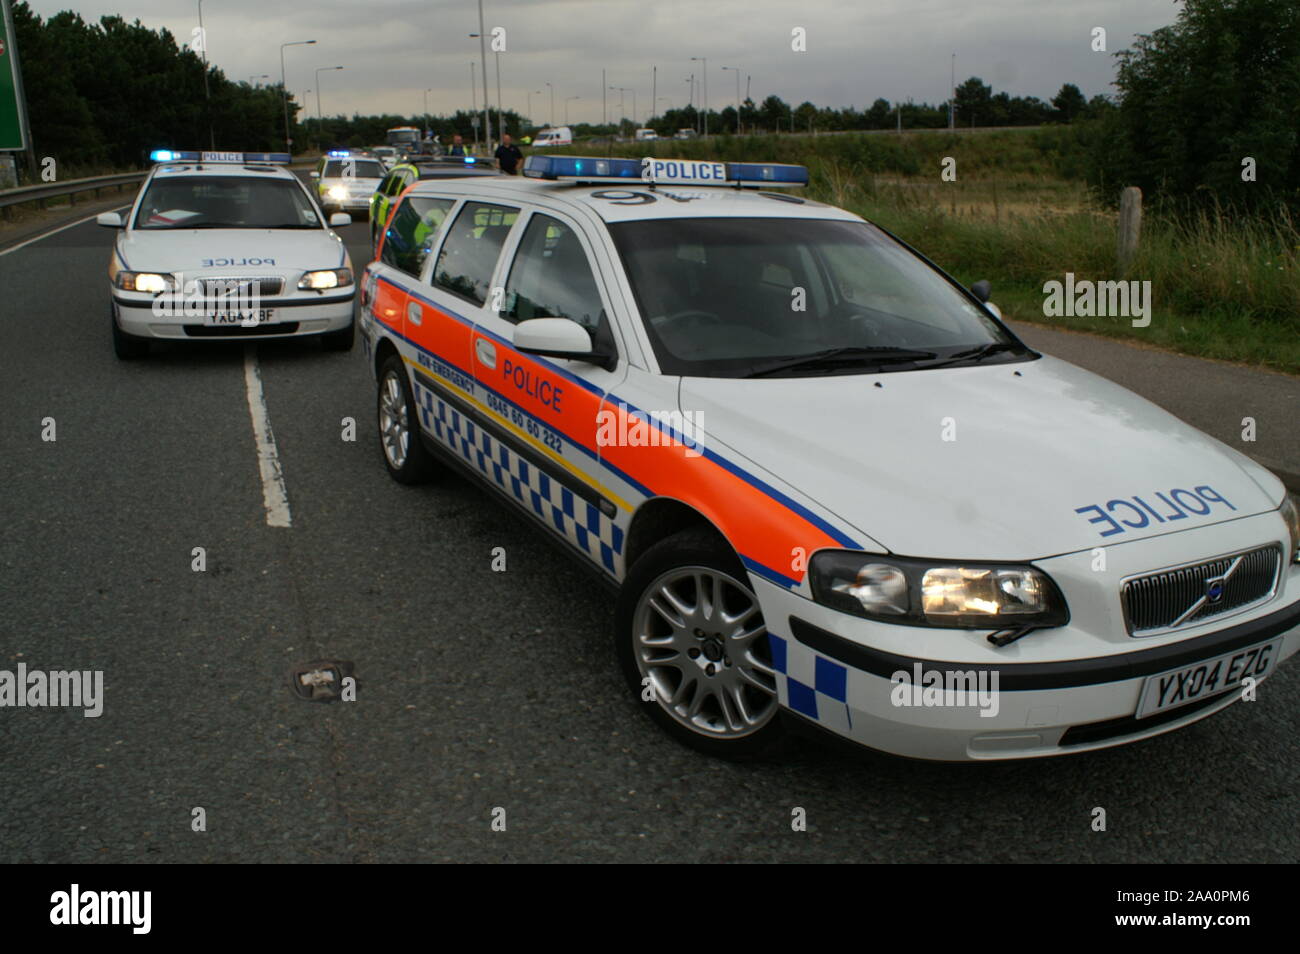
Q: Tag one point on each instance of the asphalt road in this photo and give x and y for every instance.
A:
(477, 689)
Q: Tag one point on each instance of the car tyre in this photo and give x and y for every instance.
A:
(689, 632)
(126, 347)
(407, 459)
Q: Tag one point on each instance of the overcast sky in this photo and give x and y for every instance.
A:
(392, 50)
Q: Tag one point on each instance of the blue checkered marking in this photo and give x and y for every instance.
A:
(802, 698)
(831, 685)
(832, 679)
(577, 520)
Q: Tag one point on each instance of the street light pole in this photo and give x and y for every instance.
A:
(482, 55)
(207, 93)
(426, 112)
(473, 100)
(621, 110)
(257, 76)
(531, 94)
(705, 91)
(952, 93)
(319, 116)
(550, 117)
(284, 87)
(737, 71)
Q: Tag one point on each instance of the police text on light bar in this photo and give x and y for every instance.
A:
(173, 155)
(666, 171)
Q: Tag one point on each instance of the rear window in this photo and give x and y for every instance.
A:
(410, 236)
(469, 254)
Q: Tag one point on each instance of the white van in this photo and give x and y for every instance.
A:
(646, 135)
(559, 136)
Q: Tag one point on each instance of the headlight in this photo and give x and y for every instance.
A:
(337, 192)
(144, 281)
(326, 278)
(1291, 514)
(934, 593)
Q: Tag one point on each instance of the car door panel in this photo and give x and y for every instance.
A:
(543, 413)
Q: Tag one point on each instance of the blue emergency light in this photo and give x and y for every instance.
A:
(665, 171)
(174, 155)
(339, 153)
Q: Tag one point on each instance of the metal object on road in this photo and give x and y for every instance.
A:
(320, 681)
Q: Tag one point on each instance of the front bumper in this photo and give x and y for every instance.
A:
(1057, 691)
(350, 204)
(292, 317)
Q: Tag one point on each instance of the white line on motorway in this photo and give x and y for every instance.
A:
(61, 228)
(274, 495)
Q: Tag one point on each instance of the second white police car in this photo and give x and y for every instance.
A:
(221, 245)
(827, 480)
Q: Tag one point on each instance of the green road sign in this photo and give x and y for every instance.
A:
(13, 118)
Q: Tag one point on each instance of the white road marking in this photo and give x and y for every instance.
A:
(275, 498)
(61, 228)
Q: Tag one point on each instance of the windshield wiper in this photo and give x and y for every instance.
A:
(979, 353)
(835, 356)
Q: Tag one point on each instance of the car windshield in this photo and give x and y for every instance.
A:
(226, 202)
(738, 297)
(353, 169)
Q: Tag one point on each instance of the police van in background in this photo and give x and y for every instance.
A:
(831, 487)
(559, 136)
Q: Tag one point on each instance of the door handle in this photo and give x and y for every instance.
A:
(486, 351)
(414, 313)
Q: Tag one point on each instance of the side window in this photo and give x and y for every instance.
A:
(551, 277)
(470, 252)
(409, 238)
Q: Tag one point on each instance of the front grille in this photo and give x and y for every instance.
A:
(1185, 595)
(264, 284)
(240, 331)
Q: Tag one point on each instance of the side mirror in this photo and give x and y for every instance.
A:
(997, 312)
(314, 174)
(982, 289)
(340, 219)
(110, 220)
(559, 338)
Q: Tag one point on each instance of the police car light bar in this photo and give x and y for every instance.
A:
(665, 171)
(173, 155)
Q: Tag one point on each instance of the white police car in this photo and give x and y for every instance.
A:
(227, 245)
(345, 181)
(830, 485)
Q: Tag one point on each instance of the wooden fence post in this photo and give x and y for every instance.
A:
(1130, 225)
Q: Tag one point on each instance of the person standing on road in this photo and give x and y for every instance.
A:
(508, 155)
(457, 146)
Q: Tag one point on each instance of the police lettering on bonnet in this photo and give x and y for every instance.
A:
(219, 245)
(891, 520)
